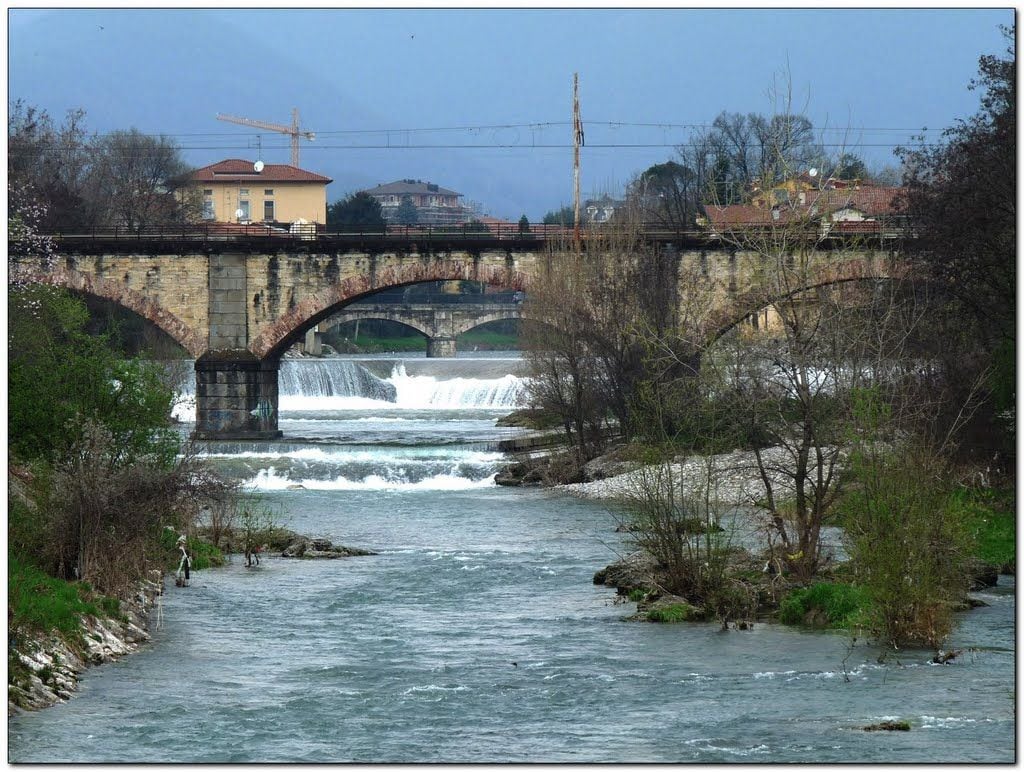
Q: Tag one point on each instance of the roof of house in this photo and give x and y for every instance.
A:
(873, 201)
(407, 187)
(869, 199)
(240, 170)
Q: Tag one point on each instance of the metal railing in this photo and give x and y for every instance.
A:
(534, 232)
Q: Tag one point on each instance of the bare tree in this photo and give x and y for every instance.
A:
(135, 178)
(591, 311)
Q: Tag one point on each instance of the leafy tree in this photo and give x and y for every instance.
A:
(564, 216)
(667, 194)
(850, 167)
(407, 213)
(524, 224)
(60, 376)
(359, 211)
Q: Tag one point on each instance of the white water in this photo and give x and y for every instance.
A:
(344, 384)
(476, 635)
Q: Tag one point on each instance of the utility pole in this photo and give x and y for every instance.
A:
(577, 140)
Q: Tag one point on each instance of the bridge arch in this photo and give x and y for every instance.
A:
(472, 324)
(118, 293)
(743, 306)
(274, 339)
(367, 316)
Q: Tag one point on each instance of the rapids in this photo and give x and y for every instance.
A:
(476, 634)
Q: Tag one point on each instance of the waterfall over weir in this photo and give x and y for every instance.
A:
(331, 378)
(303, 380)
(342, 384)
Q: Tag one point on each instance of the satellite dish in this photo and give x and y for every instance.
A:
(813, 172)
(258, 166)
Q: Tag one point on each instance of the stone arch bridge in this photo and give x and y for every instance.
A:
(440, 323)
(238, 305)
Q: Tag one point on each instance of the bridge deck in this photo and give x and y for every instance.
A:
(265, 239)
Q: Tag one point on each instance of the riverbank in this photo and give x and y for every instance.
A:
(44, 669)
(732, 485)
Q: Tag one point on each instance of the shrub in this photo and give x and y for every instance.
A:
(60, 377)
(907, 545)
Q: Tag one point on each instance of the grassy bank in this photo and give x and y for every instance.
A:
(482, 340)
(39, 603)
(990, 519)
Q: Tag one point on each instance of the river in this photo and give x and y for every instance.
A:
(476, 634)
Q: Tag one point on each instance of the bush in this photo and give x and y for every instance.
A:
(908, 546)
(60, 377)
(841, 605)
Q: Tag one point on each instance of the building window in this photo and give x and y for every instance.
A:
(243, 207)
(268, 191)
(208, 213)
(207, 191)
(268, 210)
(243, 191)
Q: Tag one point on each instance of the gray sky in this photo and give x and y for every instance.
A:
(376, 83)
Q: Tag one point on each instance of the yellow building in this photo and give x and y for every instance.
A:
(242, 191)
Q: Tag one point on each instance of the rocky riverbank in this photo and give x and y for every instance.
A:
(729, 479)
(44, 670)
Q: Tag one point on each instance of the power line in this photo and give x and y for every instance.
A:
(534, 125)
(503, 146)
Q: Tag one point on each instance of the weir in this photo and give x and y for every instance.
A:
(388, 384)
(238, 306)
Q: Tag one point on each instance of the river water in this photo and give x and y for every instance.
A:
(476, 634)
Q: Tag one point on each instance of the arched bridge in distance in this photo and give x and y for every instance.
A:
(440, 322)
(236, 301)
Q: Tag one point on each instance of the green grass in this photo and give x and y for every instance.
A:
(204, 554)
(842, 605)
(372, 345)
(676, 612)
(496, 341)
(483, 338)
(989, 518)
(41, 603)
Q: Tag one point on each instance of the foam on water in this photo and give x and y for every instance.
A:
(270, 480)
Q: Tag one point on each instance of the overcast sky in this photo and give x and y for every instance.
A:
(379, 85)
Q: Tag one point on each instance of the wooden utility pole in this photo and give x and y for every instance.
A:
(577, 140)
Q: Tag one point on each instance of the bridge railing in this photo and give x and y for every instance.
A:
(512, 232)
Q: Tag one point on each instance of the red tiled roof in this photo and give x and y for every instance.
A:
(747, 214)
(240, 170)
(872, 201)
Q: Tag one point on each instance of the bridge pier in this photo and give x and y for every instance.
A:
(313, 344)
(441, 347)
(236, 397)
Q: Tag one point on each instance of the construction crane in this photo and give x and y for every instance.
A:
(293, 131)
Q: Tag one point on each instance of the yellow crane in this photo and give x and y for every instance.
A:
(293, 131)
